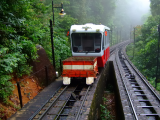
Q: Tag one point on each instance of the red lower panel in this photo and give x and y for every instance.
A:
(107, 53)
(100, 61)
(103, 59)
(79, 73)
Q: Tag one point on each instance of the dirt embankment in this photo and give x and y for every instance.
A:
(29, 89)
(30, 85)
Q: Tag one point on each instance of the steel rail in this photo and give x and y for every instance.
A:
(52, 103)
(130, 101)
(113, 48)
(64, 105)
(32, 117)
(57, 116)
(80, 109)
(141, 76)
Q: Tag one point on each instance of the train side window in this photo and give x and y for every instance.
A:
(108, 37)
(97, 44)
(105, 40)
(103, 43)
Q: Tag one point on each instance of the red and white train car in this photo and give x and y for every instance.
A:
(90, 50)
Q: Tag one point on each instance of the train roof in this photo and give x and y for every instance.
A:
(88, 27)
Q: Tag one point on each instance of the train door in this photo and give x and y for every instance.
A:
(103, 50)
(106, 37)
(107, 46)
(104, 57)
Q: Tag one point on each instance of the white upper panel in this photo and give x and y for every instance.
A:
(88, 27)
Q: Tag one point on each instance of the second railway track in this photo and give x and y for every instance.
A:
(142, 102)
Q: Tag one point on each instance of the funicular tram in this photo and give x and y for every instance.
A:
(90, 50)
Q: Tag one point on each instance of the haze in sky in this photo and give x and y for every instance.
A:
(137, 9)
(131, 13)
(147, 2)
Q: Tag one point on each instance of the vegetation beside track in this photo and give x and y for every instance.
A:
(143, 53)
(108, 108)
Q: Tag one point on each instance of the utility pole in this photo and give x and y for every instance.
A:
(134, 35)
(120, 35)
(59, 6)
(134, 42)
(111, 35)
(131, 33)
(117, 35)
(157, 58)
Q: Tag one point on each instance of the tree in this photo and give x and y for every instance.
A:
(155, 7)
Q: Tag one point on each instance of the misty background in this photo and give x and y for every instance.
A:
(129, 14)
(120, 15)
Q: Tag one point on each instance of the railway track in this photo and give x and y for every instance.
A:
(117, 46)
(143, 101)
(65, 104)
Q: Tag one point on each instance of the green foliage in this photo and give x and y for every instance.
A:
(94, 11)
(155, 7)
(4, 93)
(16, 49)
(9, 103)
(105, 114)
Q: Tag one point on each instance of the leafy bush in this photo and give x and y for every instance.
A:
(16, 50)
(105, 115)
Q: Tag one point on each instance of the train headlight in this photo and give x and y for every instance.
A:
(74, 30)
(57, 75)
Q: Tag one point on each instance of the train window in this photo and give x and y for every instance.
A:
(86, 42)
(105, 38)
(97, 39)
(108, 37)
(77, 39)
(103, 45)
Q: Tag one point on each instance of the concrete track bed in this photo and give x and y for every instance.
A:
(92, 109)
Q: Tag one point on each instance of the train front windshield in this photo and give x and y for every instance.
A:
(86, 42)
